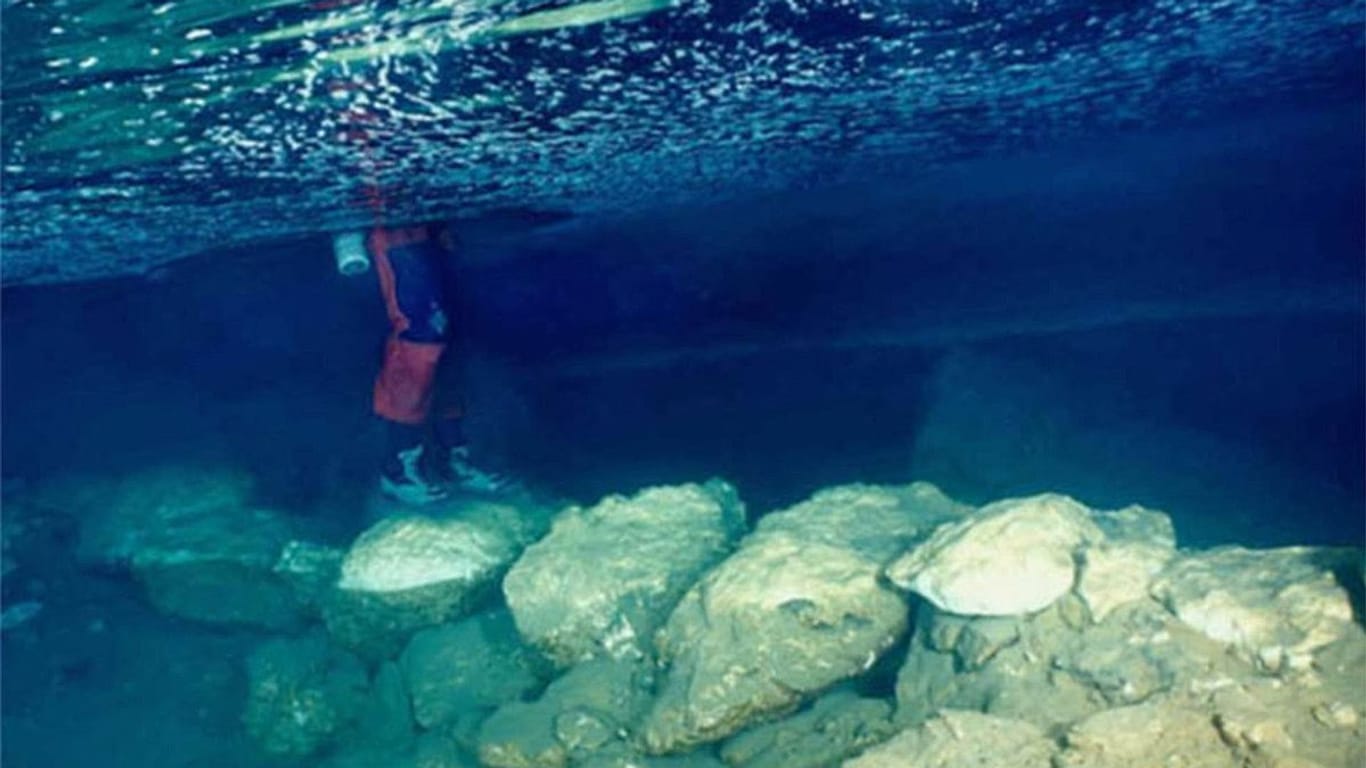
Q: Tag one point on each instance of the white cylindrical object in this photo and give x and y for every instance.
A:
(349, 248)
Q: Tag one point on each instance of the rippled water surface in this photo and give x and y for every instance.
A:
(146, 130)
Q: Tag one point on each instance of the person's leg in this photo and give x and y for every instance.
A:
(408, 265)
(459, 469)
(449, 402)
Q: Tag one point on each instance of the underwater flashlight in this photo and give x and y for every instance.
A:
(349, 249)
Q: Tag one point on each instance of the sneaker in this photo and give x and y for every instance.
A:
(468, 476)
(403, 479)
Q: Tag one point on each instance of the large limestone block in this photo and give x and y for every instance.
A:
(777, 622)
(1138, 543)
(301, 695)
(473, 665)
(1012, 557)
(411, 572)
(835, 726)
(956, 739)
(1273, 607)
(587, 712)
(1052, 668)
(606, 577)
(1159, 732)
(879, 522)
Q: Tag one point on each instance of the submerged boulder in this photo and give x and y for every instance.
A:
(1012, 557)
(835, 726)
(1051, 668)
(468, 667)
(1162, 731)
(954, 739)
(301, 695)
(604, 578)
(121, 516)
(1133, 665)
(586, 712)
(779, 621)
(877, 521)
(411, 572)
(1117, 570)
(1272, 607)
(220, 568)
(436, 749)
(798, 608)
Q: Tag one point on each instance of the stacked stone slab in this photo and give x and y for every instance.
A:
(1137, 654)
(1044, 633)
(1038, 609)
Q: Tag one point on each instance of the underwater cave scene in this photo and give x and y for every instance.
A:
(683, 383)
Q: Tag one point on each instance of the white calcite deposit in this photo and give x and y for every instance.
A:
(411, 572)
(1013, 557)
(404, 554)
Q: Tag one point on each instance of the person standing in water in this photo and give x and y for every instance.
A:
(427, 455)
